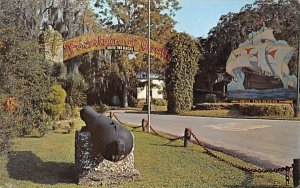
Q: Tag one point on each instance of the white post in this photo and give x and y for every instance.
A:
(149, 72)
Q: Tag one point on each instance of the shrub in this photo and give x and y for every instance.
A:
(75, 86)
(5, 135)
(141, 102)
(70, 112)
(25, 81)
(70, 127)
(101, 108)
(56, 102)
(58, 70)
(211, 98)
(282, 110)
(159, 102)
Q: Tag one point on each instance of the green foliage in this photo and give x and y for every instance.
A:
(58, 70)
(181, 71)
(55, 105)
(215, 106)
(75, 86)
(5, 131)
(130, 17)
(211, 98)
(24, 76)
(70, 127)
(98, 78)
(54, 39)
(70, 112)
(267, 110)
(101, 108)
(159, 102)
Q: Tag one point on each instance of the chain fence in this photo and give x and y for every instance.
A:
(163, 136)
(113, 115)
(286, 169)
(153, 130)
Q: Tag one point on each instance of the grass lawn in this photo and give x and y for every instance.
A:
(49, 162)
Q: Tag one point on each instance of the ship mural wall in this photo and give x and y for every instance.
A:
(259, 67)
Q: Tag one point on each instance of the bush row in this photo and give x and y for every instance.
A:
(216, 106)
(159, 102)
(280, 110)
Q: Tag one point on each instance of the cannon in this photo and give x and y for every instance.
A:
(109, 139)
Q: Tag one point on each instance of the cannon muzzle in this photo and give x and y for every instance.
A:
(109, 139)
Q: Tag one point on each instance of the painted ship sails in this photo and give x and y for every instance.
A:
(261, 62)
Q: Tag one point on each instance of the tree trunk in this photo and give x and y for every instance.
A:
(125, 94)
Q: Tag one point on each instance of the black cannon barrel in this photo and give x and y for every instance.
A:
(109, 139)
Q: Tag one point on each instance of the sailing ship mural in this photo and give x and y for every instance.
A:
(259, 67)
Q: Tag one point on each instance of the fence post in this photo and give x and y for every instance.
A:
(144, 125)
(187, 137)
(296, 172)
(110, 115)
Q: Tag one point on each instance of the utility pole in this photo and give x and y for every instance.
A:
(149, 68)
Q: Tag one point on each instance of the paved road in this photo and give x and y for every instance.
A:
(266, 143)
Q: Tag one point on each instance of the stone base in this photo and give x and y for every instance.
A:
(108, 178)
(97, 170)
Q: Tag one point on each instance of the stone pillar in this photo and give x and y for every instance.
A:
(98, 171)
(53, 45)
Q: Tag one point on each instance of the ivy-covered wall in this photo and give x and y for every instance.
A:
(53, 43)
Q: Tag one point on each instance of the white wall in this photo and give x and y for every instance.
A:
(141, 92)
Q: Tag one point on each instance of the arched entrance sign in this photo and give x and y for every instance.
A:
(112, 41)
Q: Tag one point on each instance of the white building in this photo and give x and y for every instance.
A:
(156, 91)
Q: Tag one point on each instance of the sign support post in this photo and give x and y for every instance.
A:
(297, 112)
(149, 68)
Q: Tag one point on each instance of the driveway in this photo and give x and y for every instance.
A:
(267, 143)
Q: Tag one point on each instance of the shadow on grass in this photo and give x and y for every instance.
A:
(168, 144)
(249, 181)
(26, 166)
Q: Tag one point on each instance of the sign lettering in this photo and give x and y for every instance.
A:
(113, 41)
(263, 101)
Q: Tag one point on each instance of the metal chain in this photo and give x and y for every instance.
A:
(170, 139)
(134, 127)
(287, 169)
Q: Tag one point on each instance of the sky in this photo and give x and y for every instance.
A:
(197, 17)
